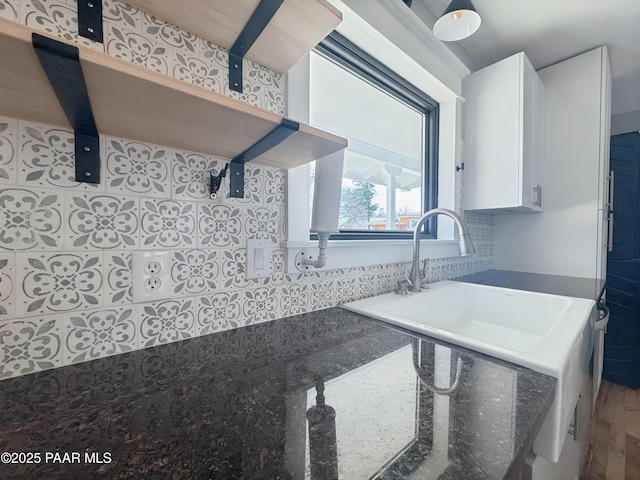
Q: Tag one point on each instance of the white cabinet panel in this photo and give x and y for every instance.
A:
(568, 237)
(504, 137)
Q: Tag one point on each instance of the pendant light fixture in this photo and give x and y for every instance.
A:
(459, 20)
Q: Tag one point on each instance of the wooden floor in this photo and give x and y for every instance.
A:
(615, 440)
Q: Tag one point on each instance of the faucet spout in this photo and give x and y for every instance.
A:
(465, 244)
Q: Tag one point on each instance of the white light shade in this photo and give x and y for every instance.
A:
(460, 20)
(326, 193)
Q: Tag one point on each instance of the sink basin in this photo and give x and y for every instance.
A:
(550, 334)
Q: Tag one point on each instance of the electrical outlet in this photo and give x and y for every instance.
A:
(152, 267)
(153, 283)
(151, 276)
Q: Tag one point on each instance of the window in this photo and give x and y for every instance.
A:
(390, 174)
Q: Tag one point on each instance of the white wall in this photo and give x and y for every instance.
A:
(563, 239)
(625, 123)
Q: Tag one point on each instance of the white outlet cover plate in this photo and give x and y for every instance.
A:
(138, 261)
(258, 258)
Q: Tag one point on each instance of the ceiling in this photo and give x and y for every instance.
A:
(549, 31)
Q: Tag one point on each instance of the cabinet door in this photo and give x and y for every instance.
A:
(606, 181)
(527, 196)
(504, 137)
(567, 467)
(532, 138)
(493, 131)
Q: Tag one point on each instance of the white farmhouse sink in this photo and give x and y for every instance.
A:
(547, 333)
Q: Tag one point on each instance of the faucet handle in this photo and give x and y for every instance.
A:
(423, 273)
(403, 287)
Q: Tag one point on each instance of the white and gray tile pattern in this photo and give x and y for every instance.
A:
(58, 282)
(136, 168)
(48, 158)
(219, 226)
(166, 321)
(217, 312)
(29, 345)
(117, 276)
(194, 272)
(191, 173)
(30, 219)
(7, 285)
(102, 222)
(10, 10)
(99, 333)
(8, 148)
(168, 224)
(66, 247)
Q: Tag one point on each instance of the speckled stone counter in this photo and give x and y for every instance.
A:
(580, 287)
(234, 405)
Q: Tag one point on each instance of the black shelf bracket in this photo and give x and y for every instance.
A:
(236, 167)
(260, 18)
(61, 63)
(90, 19)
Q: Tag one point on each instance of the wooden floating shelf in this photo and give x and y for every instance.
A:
(297, 27)
(133, 102)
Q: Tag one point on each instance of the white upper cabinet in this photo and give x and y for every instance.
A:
(504, 138)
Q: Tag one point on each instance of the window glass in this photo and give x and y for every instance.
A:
(385, 179)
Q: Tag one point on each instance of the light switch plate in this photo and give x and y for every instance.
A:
(258, 258)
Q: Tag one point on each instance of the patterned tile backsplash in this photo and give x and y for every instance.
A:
(66, 248)
(134, 36)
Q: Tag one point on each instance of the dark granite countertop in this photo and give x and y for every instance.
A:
(234, 405)
(580, 287)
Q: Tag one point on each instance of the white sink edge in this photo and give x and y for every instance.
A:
(548, 444)
(550, 364)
